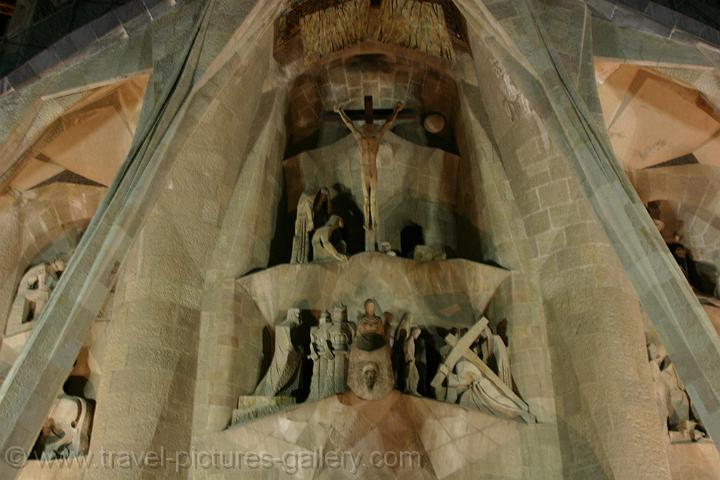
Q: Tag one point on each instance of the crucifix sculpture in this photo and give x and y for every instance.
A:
(368, 137)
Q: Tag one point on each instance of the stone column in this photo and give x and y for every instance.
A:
(145, 400)
(605, 412)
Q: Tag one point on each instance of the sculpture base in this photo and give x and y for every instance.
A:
(371, 240)
(252, 407)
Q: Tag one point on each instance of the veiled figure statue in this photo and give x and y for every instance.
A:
(494, 347)
(313, 207)
(468, 386)
(323, 248)
(281, 376)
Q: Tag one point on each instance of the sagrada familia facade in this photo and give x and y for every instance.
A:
(325, 239)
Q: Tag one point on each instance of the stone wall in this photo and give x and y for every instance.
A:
(389, 75)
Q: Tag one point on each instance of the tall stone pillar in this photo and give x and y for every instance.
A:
(145, 400)
(601, 382)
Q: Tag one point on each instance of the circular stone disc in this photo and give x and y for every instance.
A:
(434, 123)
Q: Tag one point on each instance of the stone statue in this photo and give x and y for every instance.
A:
(369, 137)
(281, 376)
(495, 348)
(514, 100)
(402, 332)
(34, 291)
(310, 207)
(341, 337)
(323, 249)
(371, 330)
(672, 398)
(66, 431)
(321, 354)
(464, 378)
(386, 248)
(468, 386)
(370, 372)
(411, 368)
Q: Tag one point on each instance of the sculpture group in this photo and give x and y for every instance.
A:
(371, 358)
(677, 416)
(315, 208)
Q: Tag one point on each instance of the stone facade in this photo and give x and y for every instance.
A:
(514, 267)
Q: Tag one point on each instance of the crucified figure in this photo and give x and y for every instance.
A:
(369, 137)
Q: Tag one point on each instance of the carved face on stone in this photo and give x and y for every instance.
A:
(369, 308)
(370, 373)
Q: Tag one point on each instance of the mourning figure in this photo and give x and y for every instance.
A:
(313, 206)
(323, 248)
(282, 375)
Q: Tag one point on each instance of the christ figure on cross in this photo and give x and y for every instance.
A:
(369, 137)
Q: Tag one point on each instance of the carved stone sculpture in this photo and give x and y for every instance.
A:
(281, 376)
(402, 332)
(341, 338)
(515, 102)
(34, 292)
(370, 374)
(321, 385)
(66, 431)
(463, 377)
(323, 249)
(411, 367)
(372, 332)
(495, 348)
(311, 206)
(368, 137)
(672, 398)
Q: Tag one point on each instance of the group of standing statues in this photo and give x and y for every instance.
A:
(365, 356)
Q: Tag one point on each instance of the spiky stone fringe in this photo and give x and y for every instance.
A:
(408, 23)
